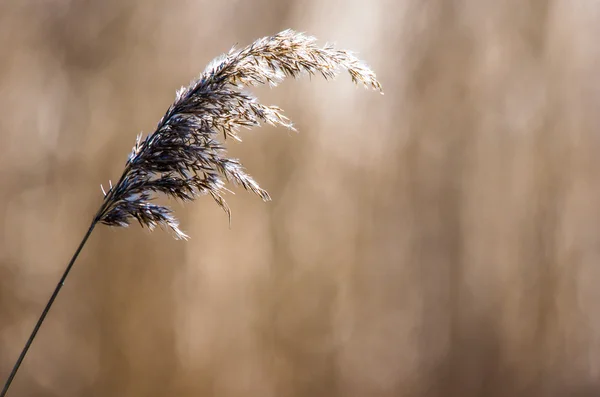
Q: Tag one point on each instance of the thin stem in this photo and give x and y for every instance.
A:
(47, 308)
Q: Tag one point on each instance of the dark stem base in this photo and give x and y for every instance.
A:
(40, 321)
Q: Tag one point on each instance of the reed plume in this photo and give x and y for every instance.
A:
(183, 157)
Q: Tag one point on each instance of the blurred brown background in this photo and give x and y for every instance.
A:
(441, 240)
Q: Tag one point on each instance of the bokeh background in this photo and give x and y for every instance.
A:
(440, 240)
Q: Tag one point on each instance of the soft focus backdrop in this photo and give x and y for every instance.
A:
(441, 240)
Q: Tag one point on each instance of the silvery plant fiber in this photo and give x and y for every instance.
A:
(183, 158)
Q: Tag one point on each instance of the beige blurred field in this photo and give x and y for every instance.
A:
(440, 240)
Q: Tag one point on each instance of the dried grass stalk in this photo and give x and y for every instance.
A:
(183, 158)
